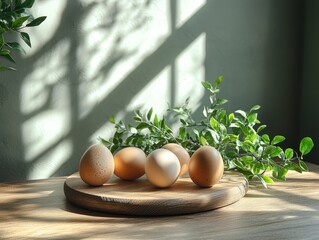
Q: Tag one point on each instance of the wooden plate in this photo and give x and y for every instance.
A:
(141, 198)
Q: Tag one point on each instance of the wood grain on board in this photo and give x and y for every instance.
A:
(139, 197)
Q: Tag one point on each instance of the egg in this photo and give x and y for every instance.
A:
(181, 154)
(206, 166)
(96, 165)
(129, 163)
(162, 168)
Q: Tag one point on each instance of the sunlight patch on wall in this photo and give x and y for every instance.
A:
(48, 74)
(45, 104)
(49, 26)
(155, 94)
(51, 161)
(42, 132)
(116, 39)
(186, 9)
(190, 72)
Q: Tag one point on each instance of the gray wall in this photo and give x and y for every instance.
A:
(151, 53)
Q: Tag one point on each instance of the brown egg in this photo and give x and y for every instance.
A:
(206, 166)
(162, 168)
(129, 163)
(96, 165)
(181, 154)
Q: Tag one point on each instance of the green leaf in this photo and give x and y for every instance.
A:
(203, 141)
(112, 119)
(3, 68)
(265, 138)
(218, 81)
(252, 117)
(195, 131)
(241, 112)
(303, 166)
(27, 4)
(221, 101)
(247, 159)
(156, 120)
(205, 112)
(262, 180)
(138, 113)
(6, 54)
(277, 139)
(268, 150)
(25, 37)
(243, 128)
(289, 153)
(294, 166)
(280, 173)
(231, 154)
(213, 123)
(306, 145)
(232, 137)
(275, 152)
(149, 114)
(137, 119)
(213, 135)
(36, 21)
(17, 46)
(221, 115)
(162, 123)
(105, 142)
(182, 132)
(142, 125)
(231, 117)
(207, 85)
(260, 128)
(254, 108)
(267, 179)
(1, 40)
(18, 23)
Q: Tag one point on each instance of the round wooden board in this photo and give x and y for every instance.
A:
(141, 198)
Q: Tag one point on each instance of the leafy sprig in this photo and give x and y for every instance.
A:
(237, 135)
(14, 18)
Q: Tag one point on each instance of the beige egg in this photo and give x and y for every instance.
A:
(206, 166)
(96, 165)
(129, 163)
(162, 168)
(181, 154)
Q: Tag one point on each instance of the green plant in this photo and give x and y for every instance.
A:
(14, 18)
(237, 135)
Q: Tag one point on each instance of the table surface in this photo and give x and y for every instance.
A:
(286, 210)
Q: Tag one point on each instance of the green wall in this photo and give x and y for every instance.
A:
(91, 60)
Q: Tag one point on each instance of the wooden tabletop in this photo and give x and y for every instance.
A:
(287, 210)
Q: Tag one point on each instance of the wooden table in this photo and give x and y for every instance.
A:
(287, 210)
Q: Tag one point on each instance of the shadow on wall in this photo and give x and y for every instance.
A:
(61, 88)
(72, 90)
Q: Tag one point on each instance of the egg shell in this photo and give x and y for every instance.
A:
(181, 154)
(129, 163)
(206, 166)
(96, 165)
(162, 168)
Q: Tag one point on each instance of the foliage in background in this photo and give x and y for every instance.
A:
(238, 136)
(14, 18)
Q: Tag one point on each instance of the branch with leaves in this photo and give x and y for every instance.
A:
(14, 18)
(238, 136)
